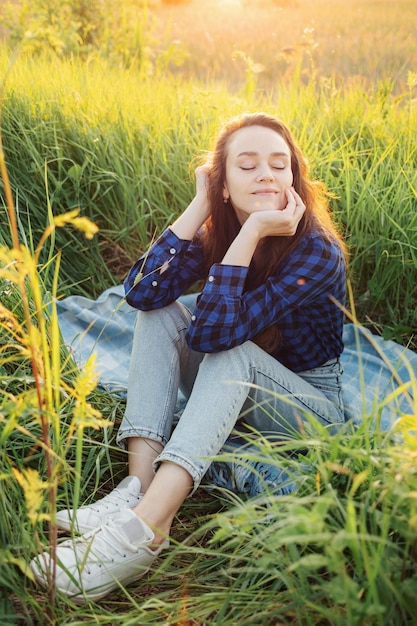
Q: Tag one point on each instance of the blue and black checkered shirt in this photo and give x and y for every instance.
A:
(300, 298)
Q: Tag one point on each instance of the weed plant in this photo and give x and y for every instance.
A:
(41, 392)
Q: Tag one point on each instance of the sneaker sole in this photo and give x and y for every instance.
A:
(91, 596)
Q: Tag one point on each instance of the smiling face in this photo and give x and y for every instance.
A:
(258, 171)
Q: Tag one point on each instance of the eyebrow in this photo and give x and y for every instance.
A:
(273, 154)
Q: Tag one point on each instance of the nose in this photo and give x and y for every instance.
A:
(265, 173)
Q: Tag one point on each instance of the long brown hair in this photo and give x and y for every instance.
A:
(222, 227)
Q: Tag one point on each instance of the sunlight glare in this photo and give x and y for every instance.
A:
(230, 4)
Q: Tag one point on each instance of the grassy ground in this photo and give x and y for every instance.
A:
(120, 143)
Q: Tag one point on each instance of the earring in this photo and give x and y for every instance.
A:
(225, 200)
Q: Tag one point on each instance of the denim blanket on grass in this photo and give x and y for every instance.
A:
(373, 368)
(377, 377)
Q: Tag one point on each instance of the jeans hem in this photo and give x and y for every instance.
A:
(182, 462)
(122, 437)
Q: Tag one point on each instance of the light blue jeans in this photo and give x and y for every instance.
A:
(227, 391)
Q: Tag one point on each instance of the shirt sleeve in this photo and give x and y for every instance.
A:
(170, 267)
(226, 315)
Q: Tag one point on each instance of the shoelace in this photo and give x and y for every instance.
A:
(102, 544)
(115, 498)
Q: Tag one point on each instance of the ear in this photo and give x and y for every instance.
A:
(226, 194)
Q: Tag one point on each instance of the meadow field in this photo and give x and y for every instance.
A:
(358, 42)
(104, 116)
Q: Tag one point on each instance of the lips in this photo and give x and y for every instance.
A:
(265, 192)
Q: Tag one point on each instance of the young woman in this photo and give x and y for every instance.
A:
(260, 350)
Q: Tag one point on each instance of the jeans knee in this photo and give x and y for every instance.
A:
(173, 315)
(244, 354)
(233, 364)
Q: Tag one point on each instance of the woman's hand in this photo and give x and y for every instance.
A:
(261, 224)
(282, 222)
(202, 183)
(186, 226)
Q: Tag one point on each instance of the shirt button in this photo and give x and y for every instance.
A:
(193, 318)
(211, 278)
(154, 283)
(172, 251)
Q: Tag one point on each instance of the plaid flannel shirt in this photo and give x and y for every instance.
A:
(301, 297)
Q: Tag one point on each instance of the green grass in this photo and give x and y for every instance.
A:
(121, 145)
(127, 162)
(341, 552)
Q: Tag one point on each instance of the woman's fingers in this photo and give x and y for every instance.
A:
(202, 178)
(294, 199)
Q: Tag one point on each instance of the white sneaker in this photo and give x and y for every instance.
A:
(87, 518)
(89, 567)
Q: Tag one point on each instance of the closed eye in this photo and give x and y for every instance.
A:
(274, 167)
